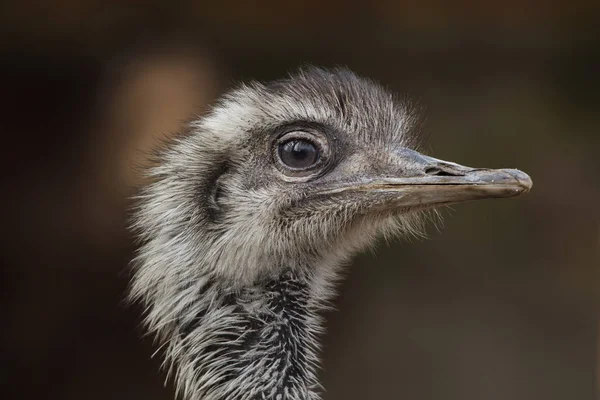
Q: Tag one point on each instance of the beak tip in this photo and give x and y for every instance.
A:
(524, 181)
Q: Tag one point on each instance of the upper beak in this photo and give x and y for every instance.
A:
(427, 181)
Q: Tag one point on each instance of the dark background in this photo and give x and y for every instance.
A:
(502, 305)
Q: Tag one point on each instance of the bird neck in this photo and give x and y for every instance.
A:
(258, 342)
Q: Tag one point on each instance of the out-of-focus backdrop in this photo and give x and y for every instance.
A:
(501, 304)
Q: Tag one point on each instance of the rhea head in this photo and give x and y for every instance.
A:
(252, 211)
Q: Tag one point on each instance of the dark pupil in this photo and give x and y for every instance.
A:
(298, 153)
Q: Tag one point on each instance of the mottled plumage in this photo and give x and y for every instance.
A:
(239, 252)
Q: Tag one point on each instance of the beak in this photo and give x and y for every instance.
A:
(427, 181)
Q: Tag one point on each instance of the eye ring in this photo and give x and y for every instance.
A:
(300, 153)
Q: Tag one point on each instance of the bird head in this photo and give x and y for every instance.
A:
(295, 173)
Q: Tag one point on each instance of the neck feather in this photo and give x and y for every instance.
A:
(258, 342)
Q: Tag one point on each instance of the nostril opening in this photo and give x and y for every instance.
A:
(440, 172)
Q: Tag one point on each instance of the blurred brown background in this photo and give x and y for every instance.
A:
(502, 305)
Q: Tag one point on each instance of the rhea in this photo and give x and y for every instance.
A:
(254, 209)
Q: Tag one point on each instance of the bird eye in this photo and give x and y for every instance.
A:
(298, 154)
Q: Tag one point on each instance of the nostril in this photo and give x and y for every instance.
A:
(432, 171)
(441, 172)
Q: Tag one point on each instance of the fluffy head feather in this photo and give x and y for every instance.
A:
(218, 206)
